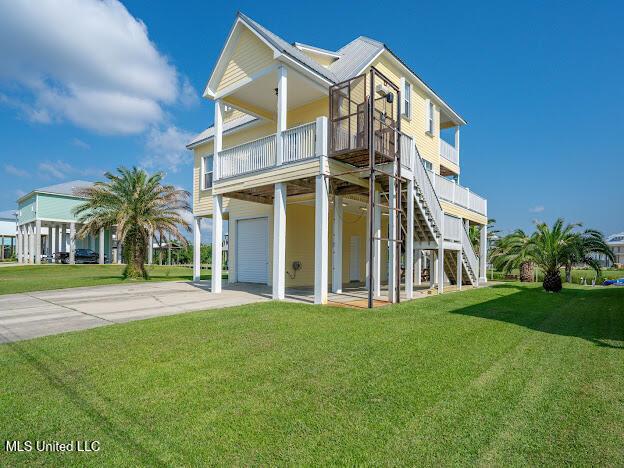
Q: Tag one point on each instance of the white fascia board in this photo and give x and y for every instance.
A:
(317, 50)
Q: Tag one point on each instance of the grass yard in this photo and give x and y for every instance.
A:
(17, 279)
(508, 375)
(577, 274)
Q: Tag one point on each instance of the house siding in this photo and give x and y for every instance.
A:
(250, 56)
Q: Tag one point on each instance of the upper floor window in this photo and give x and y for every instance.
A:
(428, 165)
(430, 113)
(207, 172)
(406, 89)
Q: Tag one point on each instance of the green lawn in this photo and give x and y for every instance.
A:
(508, 375)
(16, 279)
(588, 274)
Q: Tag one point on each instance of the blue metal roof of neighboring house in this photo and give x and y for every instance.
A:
(65, 188)
(616, 238)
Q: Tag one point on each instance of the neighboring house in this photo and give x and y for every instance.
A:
(7, 234)
(616, 242)
(288, 164)
(46, 225)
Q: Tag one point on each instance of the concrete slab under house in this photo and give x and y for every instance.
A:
(335, 170)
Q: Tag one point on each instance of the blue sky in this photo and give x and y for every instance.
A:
(92, 86)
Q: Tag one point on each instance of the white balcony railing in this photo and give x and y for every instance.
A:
(449, 152)
(453, 192)
(407, 159)
(452, 228)
(298, 143)
(248, 157)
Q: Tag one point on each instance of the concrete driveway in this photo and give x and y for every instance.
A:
(29, 315)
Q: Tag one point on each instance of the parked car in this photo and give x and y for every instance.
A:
(82, 256)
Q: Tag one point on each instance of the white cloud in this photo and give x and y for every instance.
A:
(77, 142)
(86, 61)
(63, 170)
(536, 209)
(14, 171)
(166, 149)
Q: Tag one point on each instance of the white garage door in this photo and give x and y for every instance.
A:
(252, 250)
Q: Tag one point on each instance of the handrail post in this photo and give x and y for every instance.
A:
(282, 109)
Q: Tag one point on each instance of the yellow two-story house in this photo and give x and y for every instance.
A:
(333, 169)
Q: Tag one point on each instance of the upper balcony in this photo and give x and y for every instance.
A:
(298, 144)
(456, 194)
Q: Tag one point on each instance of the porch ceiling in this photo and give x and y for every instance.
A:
(259, 96)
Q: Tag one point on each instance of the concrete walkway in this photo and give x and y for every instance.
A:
(29, 315)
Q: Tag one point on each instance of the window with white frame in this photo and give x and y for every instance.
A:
(430, 113)
(407, 99)
(428, 165)
(207, 171)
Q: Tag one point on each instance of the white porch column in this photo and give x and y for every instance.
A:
(31, 243)
(440, 271)
(150, 249)
(63, 237)
(321, 213)
(196, 249)
(483, 255)
(279, 241)
(217, 239)
(50, 242)
(282, 110)
(392, 223)
(72, 243)
(38, 241)
(377, 246)
(218, 140)
(457, 142)
(337, 246)
(101, 247)
(459, 269)
(433, 268)
(57, 240)
(18, 244)
(409, 242)
(418, 267)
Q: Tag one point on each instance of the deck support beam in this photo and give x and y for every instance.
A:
(459, 270)
(377, 246)
(321, 231)
(409, 242)
(483, 255)
(217, 242)
(196, 249)
(337, 246)
(279, 241)
(392, 239)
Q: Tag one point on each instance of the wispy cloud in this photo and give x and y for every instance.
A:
(78, 143)
(89, 62)
(63, 170)
(166, 149)
(14, 171)
(536, 209)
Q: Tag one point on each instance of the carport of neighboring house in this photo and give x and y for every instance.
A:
(46, 225)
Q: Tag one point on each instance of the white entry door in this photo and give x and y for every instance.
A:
(354, 258)
(252, 250)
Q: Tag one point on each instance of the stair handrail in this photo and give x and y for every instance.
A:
(470, 256)
(433, 203)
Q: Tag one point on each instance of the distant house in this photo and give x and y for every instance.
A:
(7, 234)
(46, 225)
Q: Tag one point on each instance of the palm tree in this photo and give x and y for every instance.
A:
(552, 249)
(514, 251)
(587, 243)
(140, 206)
(474, 234)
